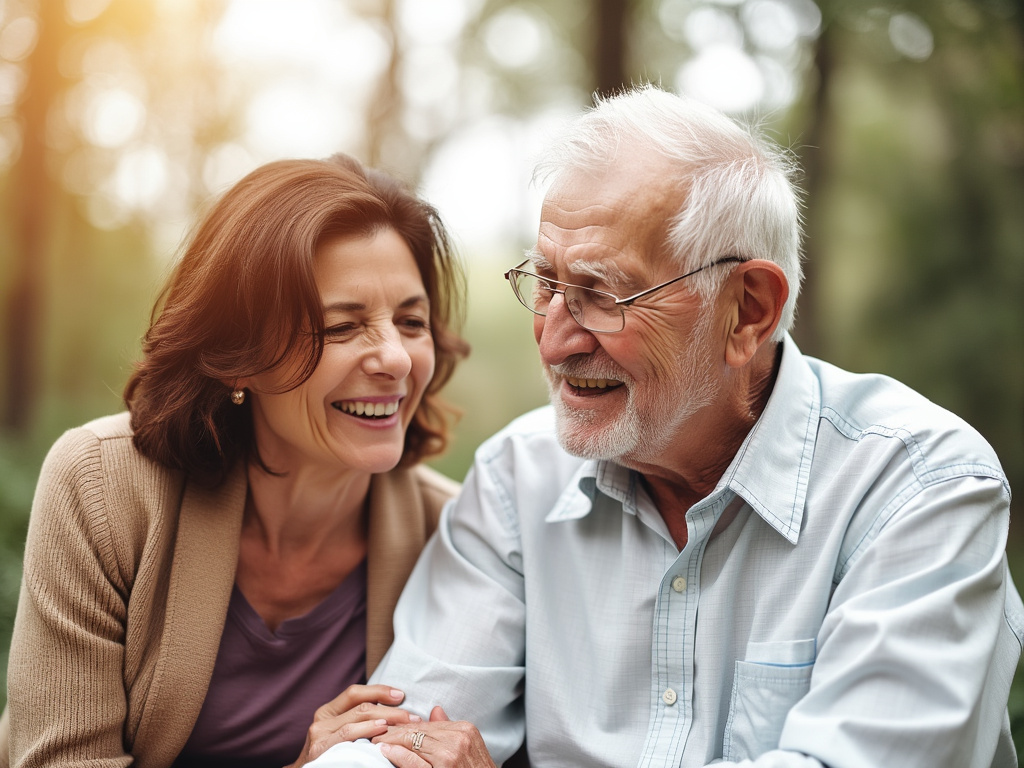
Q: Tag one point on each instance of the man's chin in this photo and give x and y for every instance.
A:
(580, 434)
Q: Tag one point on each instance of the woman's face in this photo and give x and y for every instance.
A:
(378, 359)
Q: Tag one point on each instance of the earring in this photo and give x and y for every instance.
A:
(238, 396)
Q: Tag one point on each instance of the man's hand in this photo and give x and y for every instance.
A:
(360, 712)
(439, 743)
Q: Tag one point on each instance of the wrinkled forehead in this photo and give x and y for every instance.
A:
(616, 213)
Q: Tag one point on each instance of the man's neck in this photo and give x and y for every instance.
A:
(683, 477)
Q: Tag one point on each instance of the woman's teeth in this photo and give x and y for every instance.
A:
(360, 408)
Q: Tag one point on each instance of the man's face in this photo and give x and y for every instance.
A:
(623, 395)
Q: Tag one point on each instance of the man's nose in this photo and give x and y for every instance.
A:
(559, 335)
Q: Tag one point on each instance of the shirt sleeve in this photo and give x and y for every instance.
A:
(351, 754)
(460, 623)
(65, 689)
(918, 648)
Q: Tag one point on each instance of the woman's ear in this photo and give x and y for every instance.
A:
(759, 290)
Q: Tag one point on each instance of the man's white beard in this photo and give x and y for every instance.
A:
(650, 421)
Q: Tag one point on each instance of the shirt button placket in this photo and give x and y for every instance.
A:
(669, 696)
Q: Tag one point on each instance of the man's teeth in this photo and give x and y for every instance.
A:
(359, 408)
(591, 383)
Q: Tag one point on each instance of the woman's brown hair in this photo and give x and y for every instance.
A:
(244, 293)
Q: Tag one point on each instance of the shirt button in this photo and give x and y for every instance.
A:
(679, 583)
(669, 696)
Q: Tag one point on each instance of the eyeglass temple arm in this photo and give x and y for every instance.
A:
(627, 301)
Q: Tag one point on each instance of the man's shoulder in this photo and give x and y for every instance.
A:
(539, 421)
(864, 406)
(528, 448)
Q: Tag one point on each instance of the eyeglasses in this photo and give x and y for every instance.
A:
(597, 311)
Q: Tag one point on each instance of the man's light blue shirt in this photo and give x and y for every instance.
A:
(842, 599)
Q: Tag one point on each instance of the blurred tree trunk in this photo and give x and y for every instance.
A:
(814, 161)
(383, 113)
(609, 53)
(32, 207)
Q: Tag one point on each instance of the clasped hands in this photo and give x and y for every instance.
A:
(371, 712)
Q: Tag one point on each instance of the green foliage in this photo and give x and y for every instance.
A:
(502, 377)
(18, 469)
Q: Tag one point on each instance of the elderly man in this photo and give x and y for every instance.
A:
(709, 548)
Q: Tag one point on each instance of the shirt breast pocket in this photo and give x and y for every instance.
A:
(766, 685)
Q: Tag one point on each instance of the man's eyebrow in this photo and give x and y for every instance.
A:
(599, 270)
(607, 272)
(536, 258)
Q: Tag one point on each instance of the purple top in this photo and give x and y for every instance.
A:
(267, 685)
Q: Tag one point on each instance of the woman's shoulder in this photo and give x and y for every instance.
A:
(98, 462)
(90, 437)
(102, 445)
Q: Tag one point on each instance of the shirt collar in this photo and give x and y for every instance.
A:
(577, 499)
(770, 470)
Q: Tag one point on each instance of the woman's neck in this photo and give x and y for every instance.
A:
(302, 535)
(306, 507)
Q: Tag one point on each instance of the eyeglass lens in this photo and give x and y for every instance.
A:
(593, 310)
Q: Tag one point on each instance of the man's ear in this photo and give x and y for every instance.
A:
(758, 289)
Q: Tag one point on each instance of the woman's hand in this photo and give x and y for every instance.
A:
(440, 743)
(360, 712)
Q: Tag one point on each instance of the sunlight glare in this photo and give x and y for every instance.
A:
(141, 177)
(513, 38)
(724, 77)
(226, 164)
(18, 39)
(807, 15)
(478, 181)
(780, 87)
(258, 30)
(291, 118)
(113, 117)
(83, 11)
(429, 75)
(313, 68)
(708, 27)
(10, 144)
(434, 22)
(12, 80)
(105, 212)
(770, 24)
(672, 16)
(911, 36)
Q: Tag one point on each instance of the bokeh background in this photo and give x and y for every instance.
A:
(119, 119)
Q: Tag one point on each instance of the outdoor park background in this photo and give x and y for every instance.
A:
(120, 118)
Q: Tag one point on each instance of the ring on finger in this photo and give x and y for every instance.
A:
(417, 740)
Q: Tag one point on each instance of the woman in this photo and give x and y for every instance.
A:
(206, 570)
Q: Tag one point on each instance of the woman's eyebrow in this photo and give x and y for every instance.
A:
(356, 306)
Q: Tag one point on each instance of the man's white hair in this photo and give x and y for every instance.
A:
(736, 190)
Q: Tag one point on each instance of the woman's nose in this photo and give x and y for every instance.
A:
(388, 355)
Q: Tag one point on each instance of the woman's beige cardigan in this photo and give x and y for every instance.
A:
(128, 572)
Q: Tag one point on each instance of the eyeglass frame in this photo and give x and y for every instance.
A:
(620, 303)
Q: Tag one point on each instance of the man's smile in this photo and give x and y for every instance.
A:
(591, 386)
